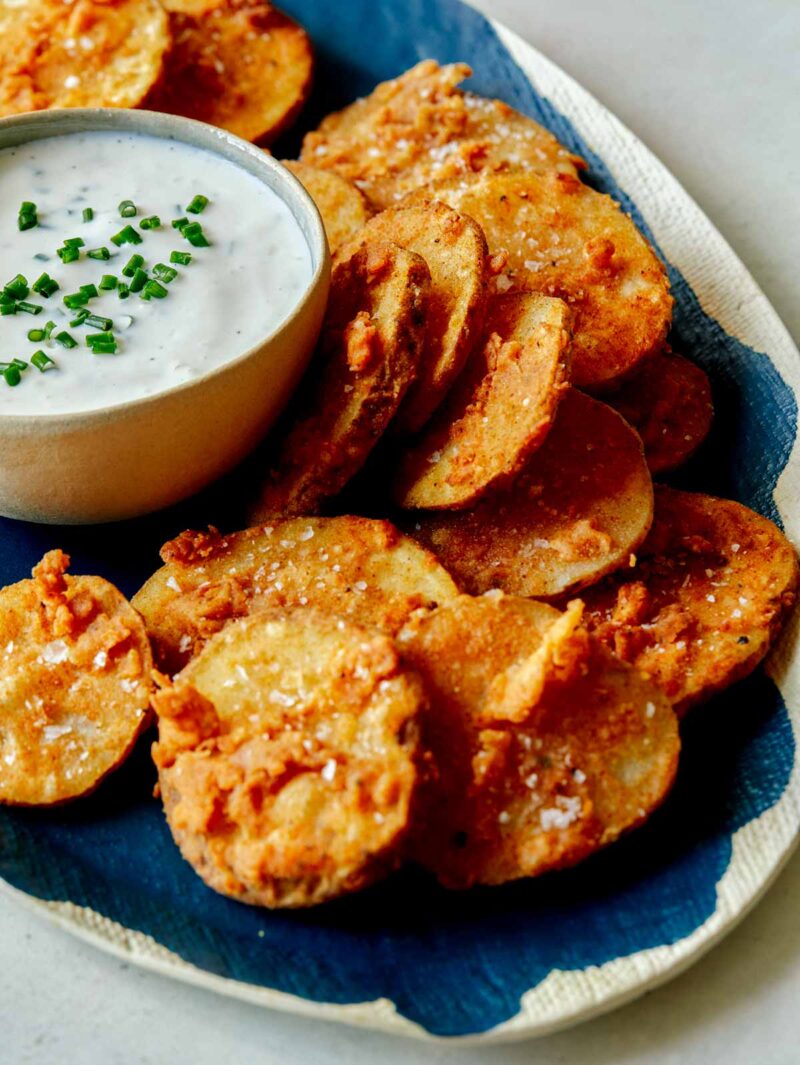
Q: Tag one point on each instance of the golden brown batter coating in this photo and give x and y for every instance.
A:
(343, 208)
(287, 758)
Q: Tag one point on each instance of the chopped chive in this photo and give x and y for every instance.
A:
(179, 223)
(198, 205)
(164, 273)
(107, 282)
(68, 255)
(17, 287)
(101, 343)
(6, 297)
(45, 285)
(79, 319)
(48, 329)
(133, 264)
(74, 242)
(66, 340)
(97, 322)
(127, 209)
(75, 300)
(153, 222)
(182, 258)
(29, 308)
(88, 214)
(26, 207)
(8, 308)
(155, 290)
(128, 235)
(29, 220)
(138, 281)
(36, 336)
(20, 364)
(99, 253)
(195, 235)
(90, 291)
(123, 291)
(42, 361)
(12, 376)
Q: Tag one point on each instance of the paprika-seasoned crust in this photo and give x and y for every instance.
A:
(499, 411)
(344, 209)
(454, 248)
(75, 684)
(240, 64)
(561, 238)
(368, 355)
(579, 508)
(544, 747)
(358, 568)
(287, 758)
(714, 583)
(90, 53)
(669, 405)
(420, 128)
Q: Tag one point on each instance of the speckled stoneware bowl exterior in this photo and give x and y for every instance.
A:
(137, 457)
(526, 958)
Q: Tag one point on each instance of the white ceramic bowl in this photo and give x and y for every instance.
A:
(136, 457)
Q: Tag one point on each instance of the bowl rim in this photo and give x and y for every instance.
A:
(209, 138)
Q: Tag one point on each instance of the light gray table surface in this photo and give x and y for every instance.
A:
(713, 88)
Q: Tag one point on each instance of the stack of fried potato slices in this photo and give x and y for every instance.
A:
(335, 695)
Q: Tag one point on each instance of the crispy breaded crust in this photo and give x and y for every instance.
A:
(499, 411)
(90, 53)
(561, 238)
(580, 506)
(344, 209)
(454, 248)
(355, 567)
(287, 758)
(420, 128)
(368, 355)
(239, 64)
(545, 747)
(669, 405)
(713, 586)
(74, 684)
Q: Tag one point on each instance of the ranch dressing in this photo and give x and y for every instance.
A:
(232, 294)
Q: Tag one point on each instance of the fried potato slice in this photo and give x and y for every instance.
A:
(344, 209)
(287, 758)
(421, 128)
(355, 567)
(75, 684)
(545, 747)
(579, 508)
(368, 355)
(499, 411)
(239, 64)
(561, 238)
(454, 248)
(712, 588)
(90, 53)
(669, 405)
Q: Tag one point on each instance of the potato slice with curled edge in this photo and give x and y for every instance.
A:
(563, 239)
(355, 567)
(75, 684)
(578, 509)
(368, 355)
(87, 53)
(712, 588)
(499, 410)
(669, 404)
(239, 64)
(287, 758)
(545, 747)
(420, 128)
(454, 248)
(344, 209)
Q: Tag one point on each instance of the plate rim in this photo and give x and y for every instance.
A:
(603, 990)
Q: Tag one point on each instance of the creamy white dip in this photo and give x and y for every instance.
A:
(231, 295)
